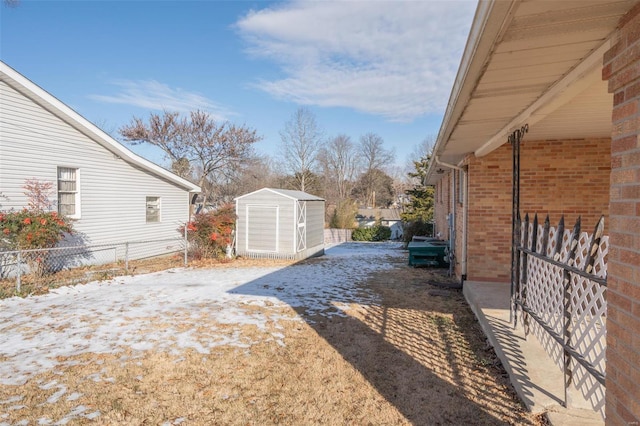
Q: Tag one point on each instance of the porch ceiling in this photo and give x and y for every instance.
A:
(530, 61)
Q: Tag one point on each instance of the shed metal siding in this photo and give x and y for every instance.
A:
(284, 238)
(315, 223)
(34, 142)
(261, 228)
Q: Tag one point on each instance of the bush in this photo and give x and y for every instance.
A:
(374, 233)
(343, 216)
(209, 234)
(28, 230)
(416, 227)
(35, 227)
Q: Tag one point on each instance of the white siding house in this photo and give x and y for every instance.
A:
(113, 194)
(279, 223)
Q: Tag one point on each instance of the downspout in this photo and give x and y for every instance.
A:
(465, 219)
(452, 226)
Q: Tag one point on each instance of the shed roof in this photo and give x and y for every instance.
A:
(75, 120)
(530, 62)
(294, 195)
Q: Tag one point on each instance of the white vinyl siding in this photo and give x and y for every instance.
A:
(34, 142)
(68, 192)
(153, 209)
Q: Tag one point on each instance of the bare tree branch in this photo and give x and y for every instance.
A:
(339, 162)
(374, 159)
(197, 144)
(301, 142)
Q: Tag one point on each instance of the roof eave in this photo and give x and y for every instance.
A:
(90, 129)
(489, 22)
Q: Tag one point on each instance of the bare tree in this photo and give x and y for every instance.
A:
(374, 159)
(195, 144)
(375, 188)
(401, 183)
(339, 162)
(254, 173)
(374, 155)
(419, 152)
(301, 142)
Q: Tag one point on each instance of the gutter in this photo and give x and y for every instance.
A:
(442, 163)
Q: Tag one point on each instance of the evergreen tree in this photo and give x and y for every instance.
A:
(418, 212)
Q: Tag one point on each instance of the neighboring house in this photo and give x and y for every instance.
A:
(387, 217)
(279, 224)
(112, 194)
(568, 71)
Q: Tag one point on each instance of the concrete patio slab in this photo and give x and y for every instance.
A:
(536, 379)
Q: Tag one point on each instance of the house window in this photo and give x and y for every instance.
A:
(68, 195)
(153, 209)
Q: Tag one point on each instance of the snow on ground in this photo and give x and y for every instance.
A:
(162, 311)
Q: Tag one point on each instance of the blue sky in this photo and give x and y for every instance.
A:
(385, 67)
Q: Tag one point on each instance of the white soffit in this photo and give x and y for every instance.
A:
(544, 70)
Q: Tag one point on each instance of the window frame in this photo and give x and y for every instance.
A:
(76, 193)
(158, 200)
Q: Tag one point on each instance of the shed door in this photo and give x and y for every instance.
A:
(302, 225)
(262, 228)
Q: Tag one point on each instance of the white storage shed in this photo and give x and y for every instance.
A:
(279, 224)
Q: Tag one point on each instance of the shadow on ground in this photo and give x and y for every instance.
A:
(418, 345)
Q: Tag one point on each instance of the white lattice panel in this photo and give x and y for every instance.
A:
(543, 294)
(544, 297)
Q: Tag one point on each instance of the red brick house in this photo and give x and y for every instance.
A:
(570, 72)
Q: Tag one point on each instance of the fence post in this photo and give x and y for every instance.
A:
(521, 276)
(186, 246)
(126, 257)
(19, 277)
(566, 309)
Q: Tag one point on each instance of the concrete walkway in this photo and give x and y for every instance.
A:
(537, 380)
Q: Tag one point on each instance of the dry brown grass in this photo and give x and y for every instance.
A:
(418, 358)
(32, 285)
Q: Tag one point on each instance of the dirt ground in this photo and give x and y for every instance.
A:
(419, 357)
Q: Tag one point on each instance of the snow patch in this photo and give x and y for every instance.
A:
(164, 311)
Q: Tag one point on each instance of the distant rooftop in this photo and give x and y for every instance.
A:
(386, 214)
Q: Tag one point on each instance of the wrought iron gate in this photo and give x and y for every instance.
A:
(558, 280)
(560, 284)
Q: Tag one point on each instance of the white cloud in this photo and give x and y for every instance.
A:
(154, 95)
(395, 59)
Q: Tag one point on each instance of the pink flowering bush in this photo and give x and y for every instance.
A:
(34, 227)
(26, 229)
(210, 233)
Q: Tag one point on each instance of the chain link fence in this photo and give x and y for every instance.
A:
(33, 271)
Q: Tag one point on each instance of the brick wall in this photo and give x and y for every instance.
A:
(622, 70)
(489, 216)
(557, 177)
